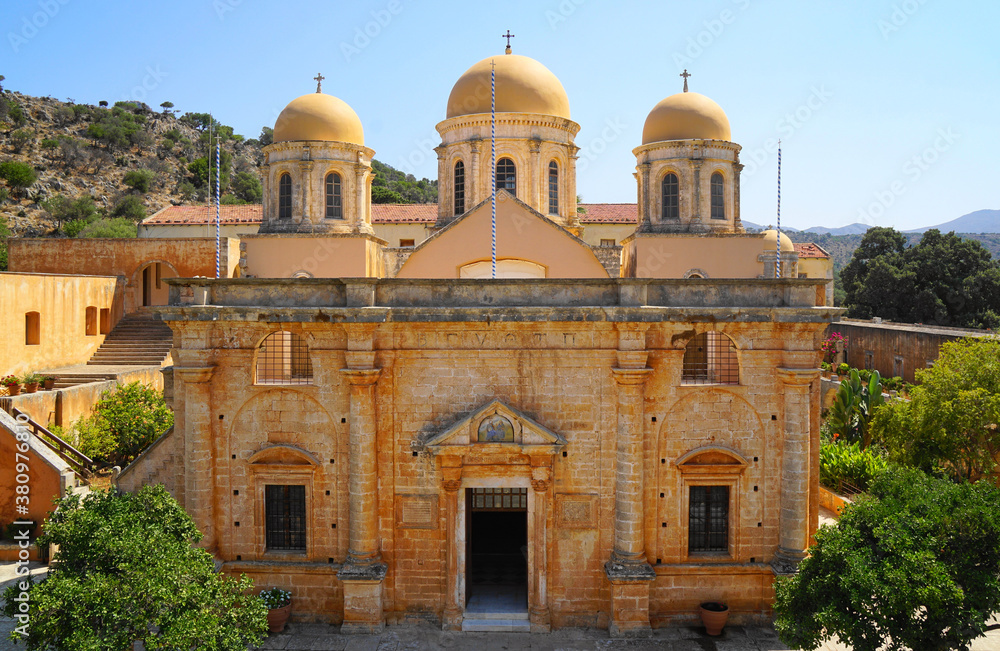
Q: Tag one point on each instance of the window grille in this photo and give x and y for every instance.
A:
(607, 242)
(459, 188)
(285, 196)
(499, 499)
(710, 358)
(708, 519)
(718, 200)
(334, 205)
(671, 197)
(553, 188)
(283, 358)
(285, 513)
(506, 176)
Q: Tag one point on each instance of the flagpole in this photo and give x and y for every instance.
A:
(493, 157)
(777, 251)
(218, 180)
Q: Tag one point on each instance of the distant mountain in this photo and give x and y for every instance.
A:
(750, 226)
(981, 221)
(851, 229)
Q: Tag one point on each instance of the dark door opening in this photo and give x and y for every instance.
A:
(497, 539)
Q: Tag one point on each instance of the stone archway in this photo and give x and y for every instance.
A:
(147, 286)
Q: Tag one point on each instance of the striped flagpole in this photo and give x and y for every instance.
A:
(777, 250)
(493, 157)
(218, 182)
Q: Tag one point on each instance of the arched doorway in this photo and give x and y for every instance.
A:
(149, 282)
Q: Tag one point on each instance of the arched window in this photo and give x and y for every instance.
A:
(710, 358)
(718, 200)
(459, 188)
(671, 197)
(553, 188)
(32, 328)
(283, 358)
(285, 196)
(506, 176)
(334, 206)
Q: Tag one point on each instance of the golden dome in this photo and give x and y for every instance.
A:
(686, 116)
(318, 116)
(523, 86)
(786, 243)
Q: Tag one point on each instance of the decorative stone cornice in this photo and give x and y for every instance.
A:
(799, 376)
(194, 374)
(631, 376)
(361, 377)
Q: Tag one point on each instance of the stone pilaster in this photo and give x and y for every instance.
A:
(472, 179)
(541, 483)
(628, 571)
(363, 573)
(361, 197)
(737, 223)
(446, 185)
(536, 178)
(453, 601)
(265, 175)
(794, 514)
(199, 461)
(645, 223)
(306, 169)
(572, 219)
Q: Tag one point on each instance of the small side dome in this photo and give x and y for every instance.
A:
(769, 238)
(686, 116)
(318, 116)
(523, 85)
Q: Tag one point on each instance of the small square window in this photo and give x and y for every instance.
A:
(607, 242)
(405, 243)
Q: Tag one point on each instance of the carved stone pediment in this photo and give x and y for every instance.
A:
(283, 455)
(712, 459)
(496, 430)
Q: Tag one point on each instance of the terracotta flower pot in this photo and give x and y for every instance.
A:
(48, 384)
(714, 615)
(13, 389)
(31, 388)
(276, 618)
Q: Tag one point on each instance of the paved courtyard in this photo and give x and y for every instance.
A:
(322, 637)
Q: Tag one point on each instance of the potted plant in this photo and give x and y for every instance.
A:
(13, 385)
(826, 368)
(279, 607)
(31, 382)
(843, 369)
(48, 382)
(714, 615)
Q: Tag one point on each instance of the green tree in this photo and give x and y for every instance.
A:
(140, 180)
(4, 234)
(916, 564)
(166, 106)
(950, 421)
(129, 207)
(119, 227)
(247, 186)
(22, 139)
(199, 169)
(126, 570)
(63, 209)
(382, 194)
(266, 136)
(124, 422)
(18, 175)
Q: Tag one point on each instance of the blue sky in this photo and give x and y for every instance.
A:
(887, 108)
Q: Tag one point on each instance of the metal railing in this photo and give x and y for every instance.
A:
(78, 461)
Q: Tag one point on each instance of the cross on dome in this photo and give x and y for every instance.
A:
(507, 36)
(319, 82)
(685, 74)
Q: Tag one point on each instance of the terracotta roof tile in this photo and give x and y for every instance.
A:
(609, 213)
(404, 213)
(810, 250)
(204, 214)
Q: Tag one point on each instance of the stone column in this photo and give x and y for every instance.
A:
(696, 192)
(569, 205)
(361, 194)
(794, 514)
(738, 168)
(305, 169)
(629, 573)
(453, 606)
(265, 175)
(363, 573)
(541, 483)
(199, 461)
(446, 185)
(472, 180)
(536, 179)
(645, 210)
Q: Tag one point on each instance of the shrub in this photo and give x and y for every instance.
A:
(129, 207)
(49, 143)
(17, 174)
(139, 180)
(186, 190)
(247, 186)
(840, 461)
(4, 194)
(125, 421)
(112, 228)
(64, 209)
(21, 139)
(231, 200)
(73, 227)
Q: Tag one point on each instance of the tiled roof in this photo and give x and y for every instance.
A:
(810, 250)
(404, 213)
(205, 214)
(609, 213)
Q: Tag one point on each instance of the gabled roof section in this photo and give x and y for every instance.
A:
(810, 250)
(526, 431)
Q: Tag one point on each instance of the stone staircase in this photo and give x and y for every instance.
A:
(137, 340)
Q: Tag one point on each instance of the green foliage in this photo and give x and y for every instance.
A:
(16, 114)
(63, 209)
(266, 136)
(381, 194)
(841, 462)
(119, 128)
(200, 121)
(49, 143)
(140, 180)
(231, 200)
(18, 175)
(915, 565)
(129, 207)
(22, 139)
(126, 569)
(4, 194)
(173, 133)
(4, 234)
(409, 188)
(854, 407)
(119, 227)
(187, 190)
(247, 186)
(124, 422)
(199, 169)
(74, 227)
(951, 421)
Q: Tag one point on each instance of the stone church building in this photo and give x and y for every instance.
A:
(590, 439)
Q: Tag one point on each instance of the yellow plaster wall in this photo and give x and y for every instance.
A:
(283, 256)
(819, 268)
(61, 302)
(673, 256)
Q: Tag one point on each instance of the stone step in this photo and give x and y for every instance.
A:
(496, 615)
(496, 625)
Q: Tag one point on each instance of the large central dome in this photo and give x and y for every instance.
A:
(523, 85)
(318, 116)
(686, 116)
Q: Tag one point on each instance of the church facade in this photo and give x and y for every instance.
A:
(394, 436)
